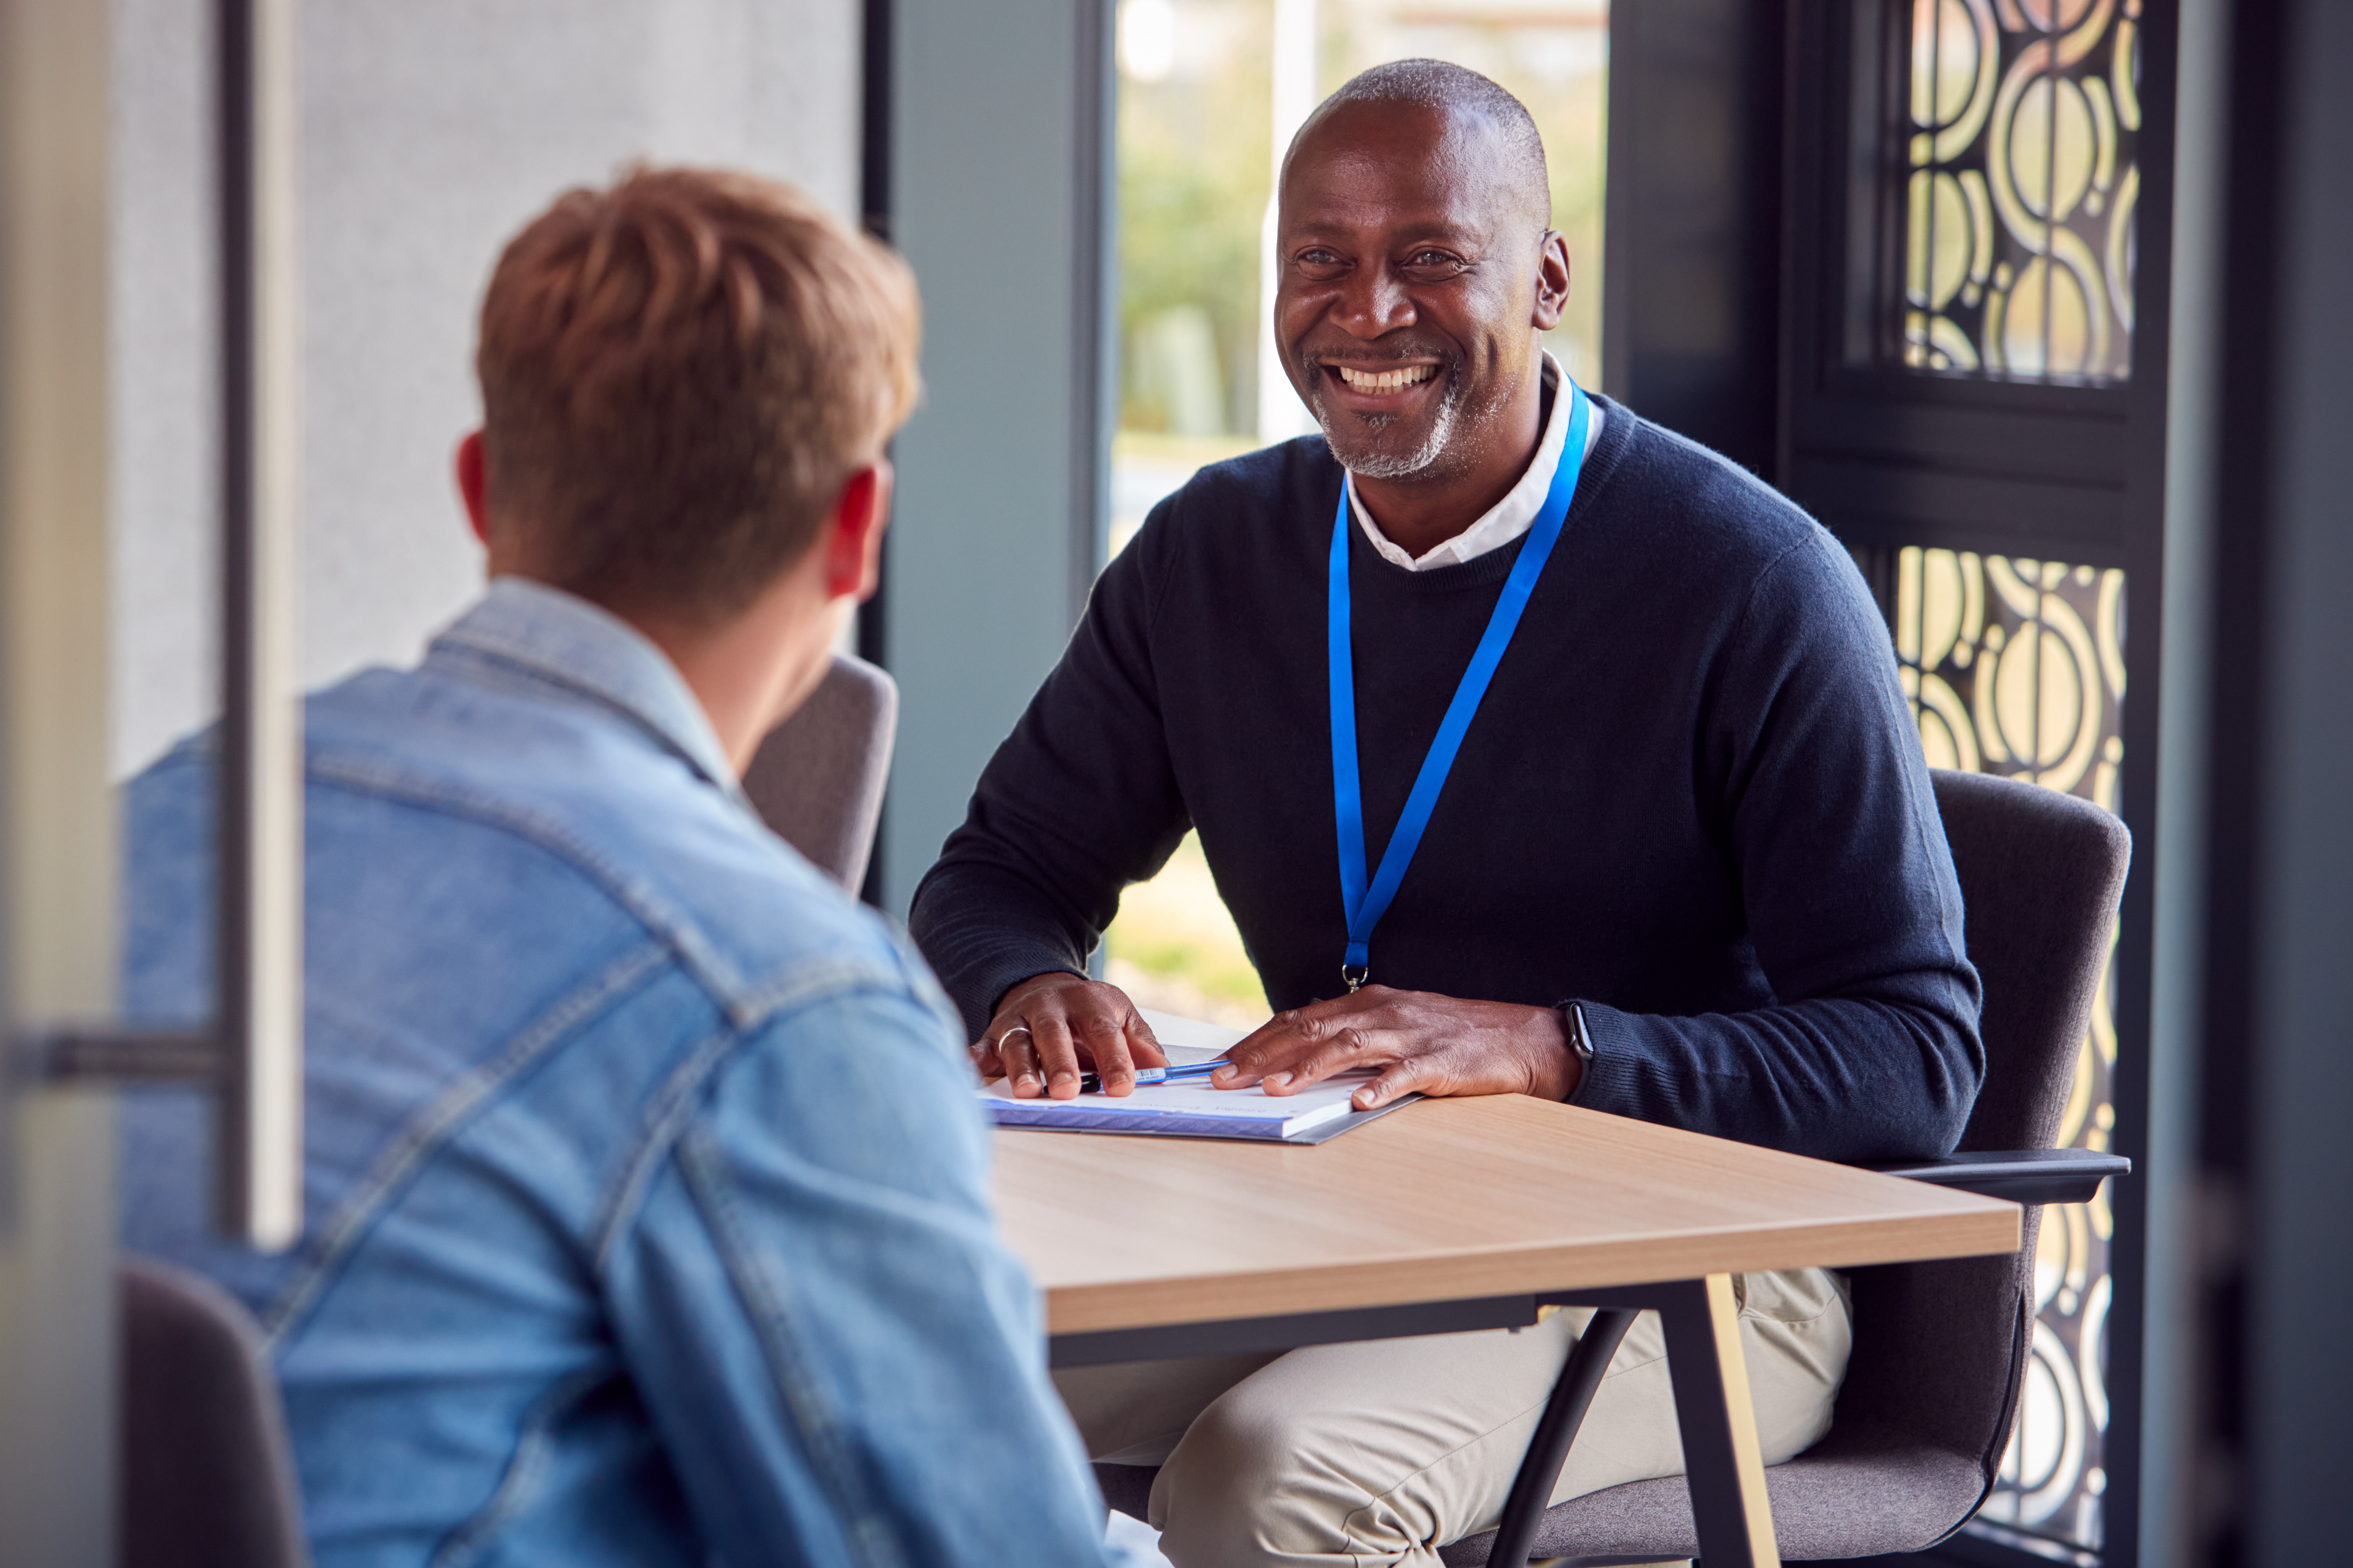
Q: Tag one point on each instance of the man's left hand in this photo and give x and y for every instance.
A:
(1420, 1042)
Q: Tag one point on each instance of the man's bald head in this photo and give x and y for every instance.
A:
(1517, 153)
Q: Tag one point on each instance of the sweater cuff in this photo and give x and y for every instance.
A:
(981, 990)
(1609, 1081)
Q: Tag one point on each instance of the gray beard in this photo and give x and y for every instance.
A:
(1374, 464)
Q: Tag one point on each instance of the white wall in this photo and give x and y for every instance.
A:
(433, 129)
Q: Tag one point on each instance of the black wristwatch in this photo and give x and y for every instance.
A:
(1580, 1039)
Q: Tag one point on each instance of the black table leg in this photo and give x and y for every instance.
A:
(1724, 1463)
(1564, 1413)
(1721, 1453)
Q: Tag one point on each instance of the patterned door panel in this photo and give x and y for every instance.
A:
(2016, 666)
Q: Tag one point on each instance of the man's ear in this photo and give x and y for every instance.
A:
(853, 533)
(1552, 281)
(471, 481)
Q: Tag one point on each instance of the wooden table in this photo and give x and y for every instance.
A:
(1462, 1214)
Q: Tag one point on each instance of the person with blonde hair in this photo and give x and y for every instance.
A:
(646, 1216)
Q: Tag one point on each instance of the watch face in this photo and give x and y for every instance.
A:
(1579, 1041)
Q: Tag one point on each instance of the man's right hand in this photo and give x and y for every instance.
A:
(1052, 1027)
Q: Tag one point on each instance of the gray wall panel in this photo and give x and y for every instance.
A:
(986, 174)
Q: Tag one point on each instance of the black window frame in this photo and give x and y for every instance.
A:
(1890, 457)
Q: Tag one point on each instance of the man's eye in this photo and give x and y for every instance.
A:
(1432, 259)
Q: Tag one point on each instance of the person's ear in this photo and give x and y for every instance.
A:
(1552, 281)
(472, 482)
(853, 534)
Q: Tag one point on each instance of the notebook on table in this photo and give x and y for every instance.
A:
(1192, 1109)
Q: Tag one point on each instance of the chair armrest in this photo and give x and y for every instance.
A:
(2022, 1176)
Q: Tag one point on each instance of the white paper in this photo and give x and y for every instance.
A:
(1245, 1112)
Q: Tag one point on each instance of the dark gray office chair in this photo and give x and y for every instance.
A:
(207, 1480)
(1925, 1413)
(817, 778)
(1940, 1348)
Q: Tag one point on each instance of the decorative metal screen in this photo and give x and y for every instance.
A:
(2021, 175)
(2017, 668)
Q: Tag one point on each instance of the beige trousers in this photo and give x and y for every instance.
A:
(1382, 1451)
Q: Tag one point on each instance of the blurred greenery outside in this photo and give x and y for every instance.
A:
(1175, 948)
(1195, 171)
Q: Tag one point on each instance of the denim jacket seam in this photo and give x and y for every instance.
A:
(797, 984)
(718, 978)
(746, 1003)
(863, 1524)
(673, 1110)
(675, 1106)
(441, 1118)
(527, 1466)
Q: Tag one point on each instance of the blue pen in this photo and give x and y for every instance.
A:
(1091, 1083)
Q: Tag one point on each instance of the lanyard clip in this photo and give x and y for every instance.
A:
(1355, 974)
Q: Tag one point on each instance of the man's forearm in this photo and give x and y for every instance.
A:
(984, 930)
(1833, 1077)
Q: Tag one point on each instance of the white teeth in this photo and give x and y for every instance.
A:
(1386, 380)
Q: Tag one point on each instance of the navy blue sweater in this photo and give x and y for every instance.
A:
(1693, 799)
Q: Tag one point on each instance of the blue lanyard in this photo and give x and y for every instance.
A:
(1365, 905)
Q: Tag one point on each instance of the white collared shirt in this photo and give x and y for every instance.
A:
(1516, 512)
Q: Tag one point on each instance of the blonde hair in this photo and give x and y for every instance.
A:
(679, 373)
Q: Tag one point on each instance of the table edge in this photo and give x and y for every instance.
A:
(1514, 1268)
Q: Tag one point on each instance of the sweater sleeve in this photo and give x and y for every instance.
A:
(1079, 802)
(1870, 1049)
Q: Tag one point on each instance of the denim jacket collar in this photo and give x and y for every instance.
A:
(548, 638)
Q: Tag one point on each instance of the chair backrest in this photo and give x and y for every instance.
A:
(2041, 874)
(817, 778)
(1940, 1347)
(207, 1480)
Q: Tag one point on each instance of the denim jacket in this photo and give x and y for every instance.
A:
(646, 1204)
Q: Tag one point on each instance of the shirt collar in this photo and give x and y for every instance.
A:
(553, 639)
(1516, 512)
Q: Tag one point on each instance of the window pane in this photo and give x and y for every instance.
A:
(2017, 176)
(1195, 124)
(2016, 666)
(1207, 91)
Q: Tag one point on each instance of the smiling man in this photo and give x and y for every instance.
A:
(1535, 751)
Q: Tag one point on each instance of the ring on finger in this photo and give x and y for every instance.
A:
(1016, 1029)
